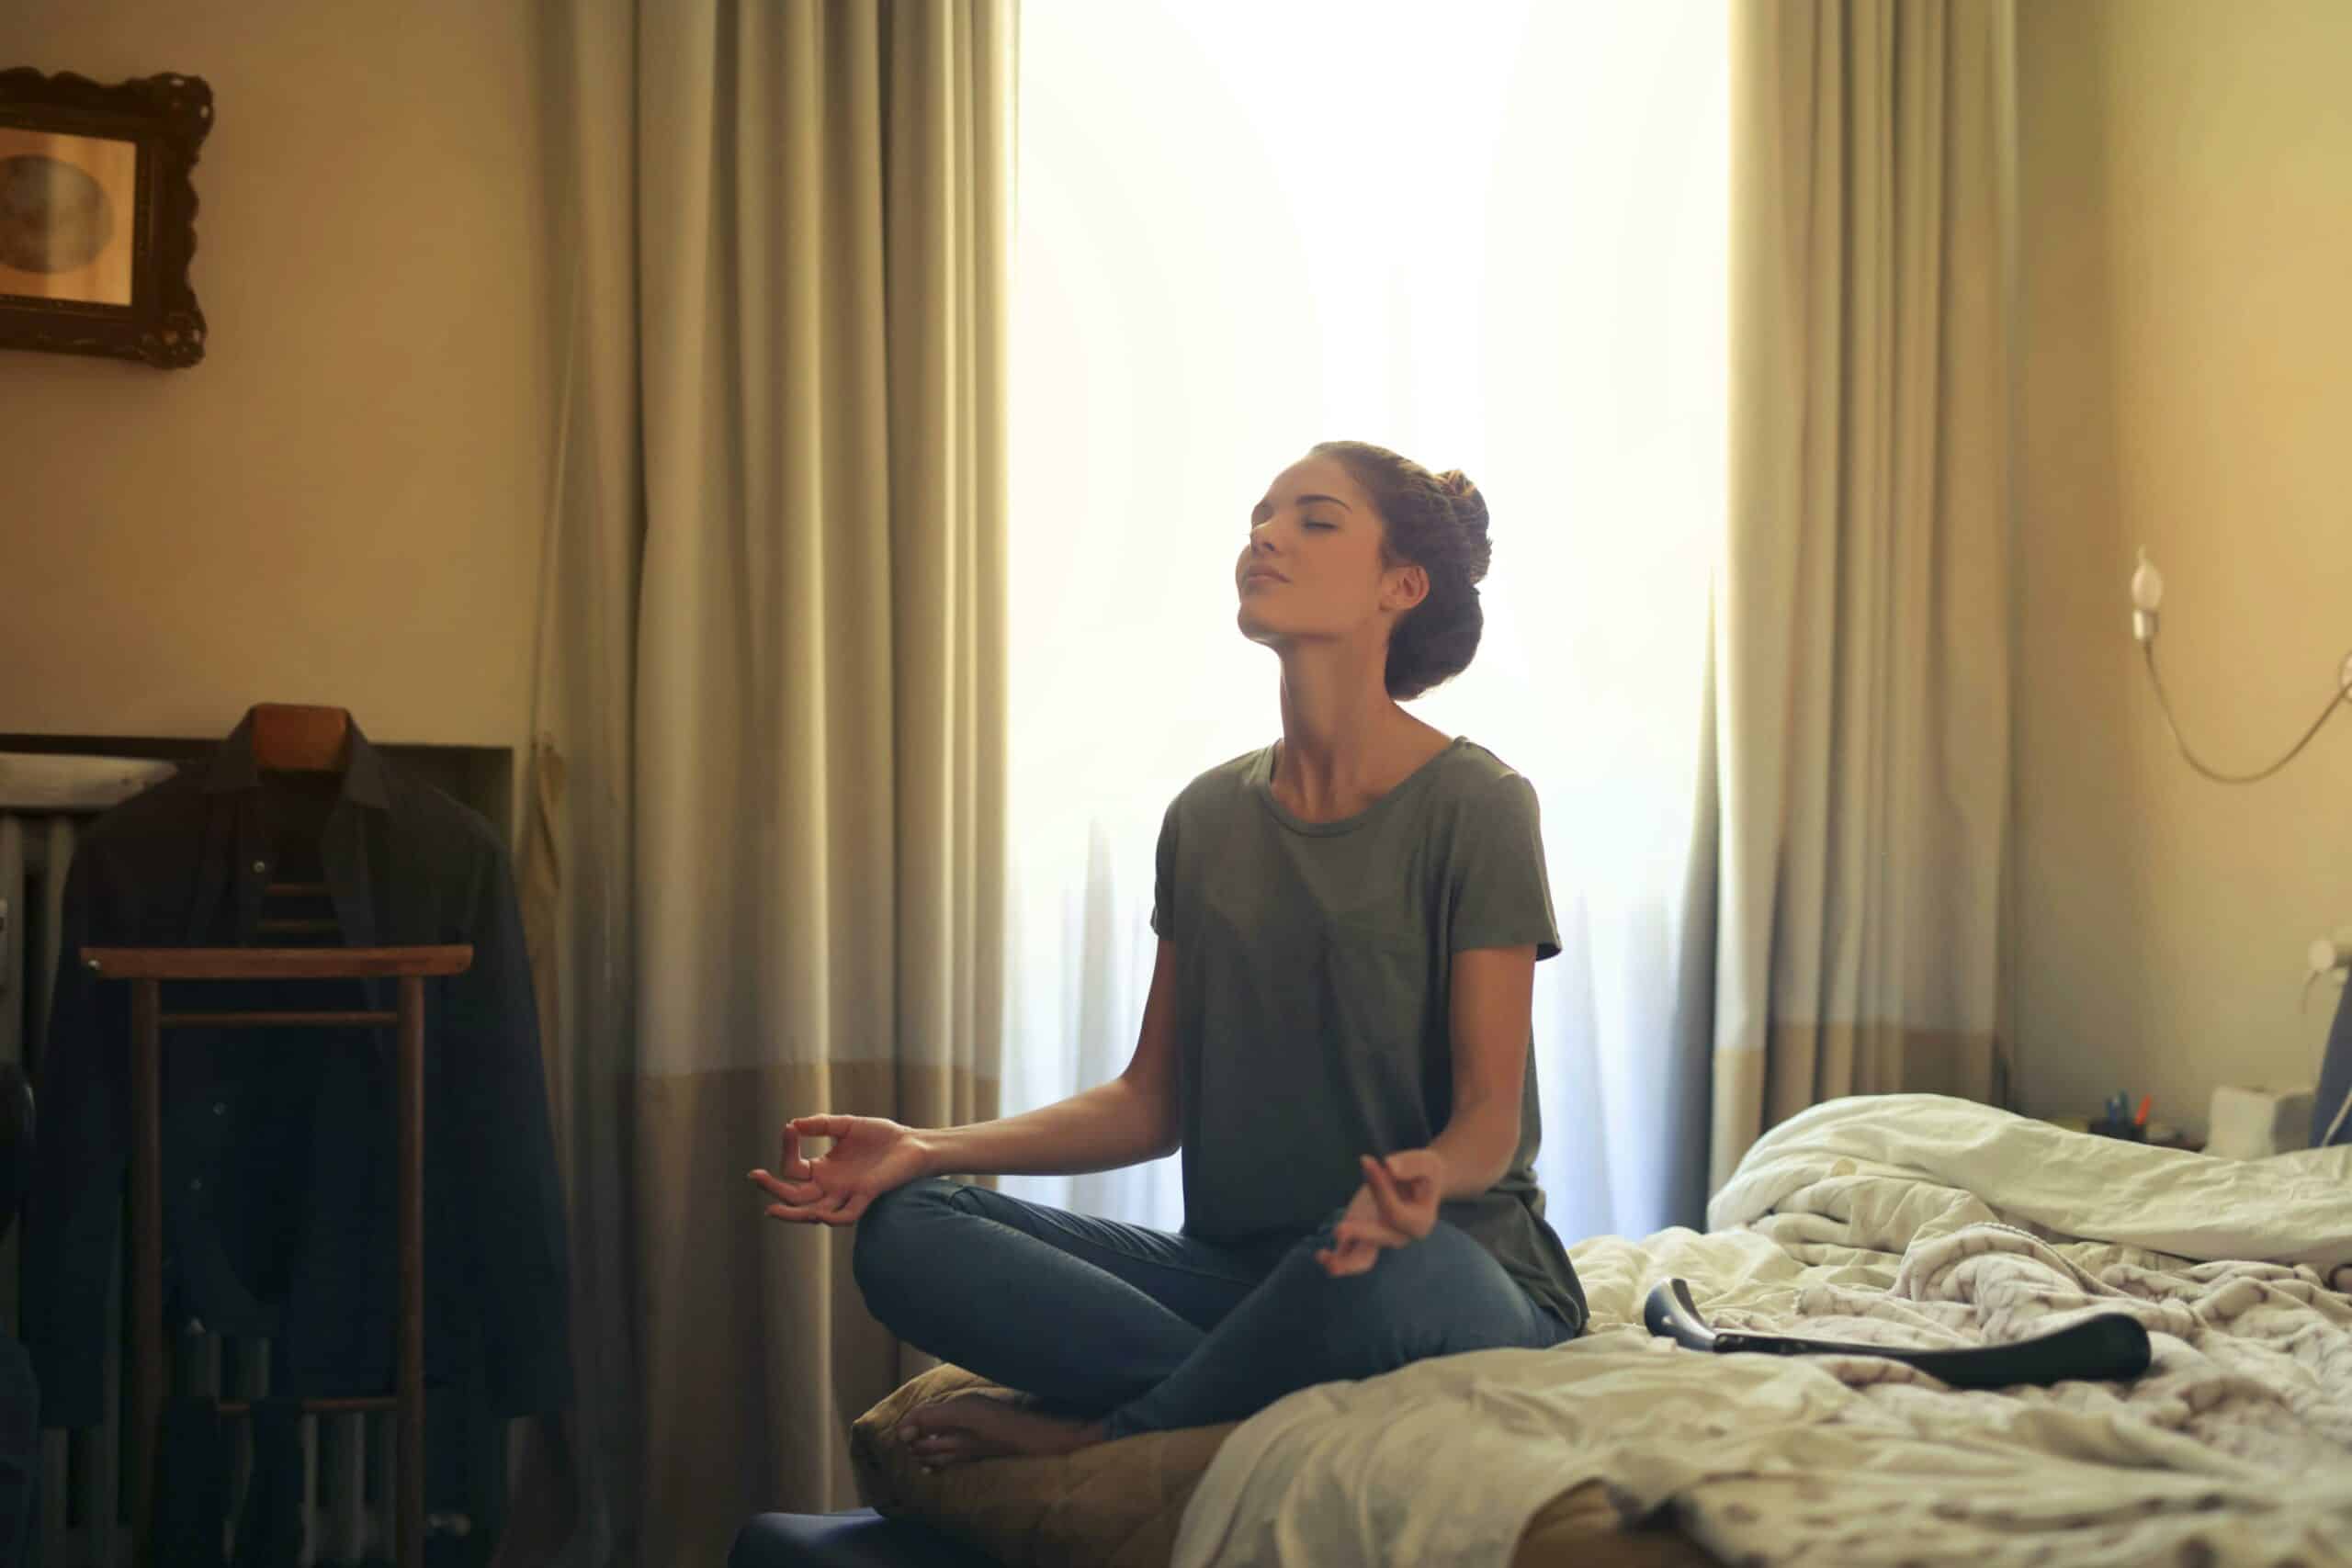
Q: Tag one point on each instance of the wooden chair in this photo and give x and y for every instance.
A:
(287, 737)
(146, 968)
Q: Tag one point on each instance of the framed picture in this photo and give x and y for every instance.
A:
(97, 216)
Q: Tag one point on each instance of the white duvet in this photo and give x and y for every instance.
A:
(1907, 1220)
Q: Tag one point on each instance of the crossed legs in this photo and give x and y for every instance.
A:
(1119, 1329)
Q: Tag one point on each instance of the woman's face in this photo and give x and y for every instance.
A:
(1312, 568)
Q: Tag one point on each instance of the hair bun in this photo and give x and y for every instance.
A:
(1469, 510)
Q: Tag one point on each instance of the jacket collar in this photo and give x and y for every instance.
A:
(233, 768)
(233, 783)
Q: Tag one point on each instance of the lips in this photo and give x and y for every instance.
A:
(1263, 574)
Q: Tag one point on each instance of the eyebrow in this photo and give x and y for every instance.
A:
(1262, 507)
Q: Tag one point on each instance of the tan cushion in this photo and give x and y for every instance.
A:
(1111, 1505)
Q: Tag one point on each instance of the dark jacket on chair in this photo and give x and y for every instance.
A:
(278, 1151)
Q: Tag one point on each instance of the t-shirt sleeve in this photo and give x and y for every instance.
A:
(1501, 889)
(1163, 886)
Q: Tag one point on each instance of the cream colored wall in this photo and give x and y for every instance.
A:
(2187, 384)
(342, 503)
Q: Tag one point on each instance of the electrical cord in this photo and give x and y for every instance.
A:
(2144, 629)
(2342, 695)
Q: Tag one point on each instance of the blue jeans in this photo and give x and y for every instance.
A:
(1149, 1330)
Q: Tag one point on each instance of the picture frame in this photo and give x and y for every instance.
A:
(97, 215)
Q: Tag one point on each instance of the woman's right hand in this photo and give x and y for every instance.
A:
(870, 1156)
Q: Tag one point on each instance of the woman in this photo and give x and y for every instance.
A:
(1337, 1036)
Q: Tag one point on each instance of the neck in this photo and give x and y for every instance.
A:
(1344, 736)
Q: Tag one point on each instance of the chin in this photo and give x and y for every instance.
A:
(1257, 631)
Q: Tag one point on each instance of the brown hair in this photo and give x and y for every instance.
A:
(1437, 522)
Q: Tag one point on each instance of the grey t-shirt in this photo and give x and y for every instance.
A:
(1313, 1015)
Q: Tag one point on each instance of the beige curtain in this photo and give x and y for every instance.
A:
(766, 863)
(1862, 629)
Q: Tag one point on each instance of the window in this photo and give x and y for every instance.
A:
(1490, 236)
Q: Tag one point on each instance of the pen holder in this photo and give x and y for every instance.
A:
(2130, 1132)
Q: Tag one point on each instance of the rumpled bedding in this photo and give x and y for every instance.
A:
(1910, 1220)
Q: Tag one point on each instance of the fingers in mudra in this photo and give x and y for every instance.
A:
(1356, 1248)
(791, 1167)
(1358, 1239)
(1371, 1232)
(1395, 1207)
(1408, 1204)
(1348, 1258)
(805, 1202)
(809, 1191)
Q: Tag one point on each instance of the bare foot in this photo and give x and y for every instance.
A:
(980, 1426)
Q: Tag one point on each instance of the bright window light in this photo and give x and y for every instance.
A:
(1489, 235)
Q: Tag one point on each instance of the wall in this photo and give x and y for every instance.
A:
(342, 503)
(2187, 385)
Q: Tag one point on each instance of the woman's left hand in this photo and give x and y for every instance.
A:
(1395, 1207)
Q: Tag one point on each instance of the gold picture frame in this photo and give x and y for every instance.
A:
(97, 215)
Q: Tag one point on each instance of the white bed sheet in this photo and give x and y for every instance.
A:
(1913, 1220)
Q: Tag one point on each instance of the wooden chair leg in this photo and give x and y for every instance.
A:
(146, 1257)
(410, 1110)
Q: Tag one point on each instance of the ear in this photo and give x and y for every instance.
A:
(1402, 587)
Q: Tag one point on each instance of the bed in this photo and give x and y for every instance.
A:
(1903, 1220)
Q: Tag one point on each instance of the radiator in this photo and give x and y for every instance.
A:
(84, 1523)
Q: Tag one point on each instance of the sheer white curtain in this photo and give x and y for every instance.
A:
(1492, 237)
